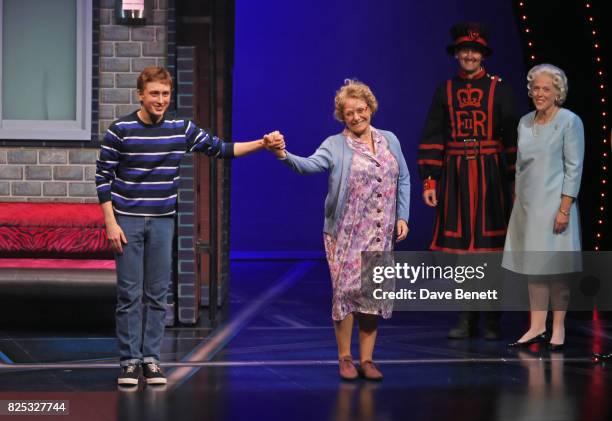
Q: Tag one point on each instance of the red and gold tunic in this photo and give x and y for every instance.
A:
(469, 148)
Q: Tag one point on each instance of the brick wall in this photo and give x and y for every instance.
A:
(46, 175)
(124, 52)
(58, 171)
(187, 283)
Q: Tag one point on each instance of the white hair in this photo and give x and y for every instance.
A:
(558, 77)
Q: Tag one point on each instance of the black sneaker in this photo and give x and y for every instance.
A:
(467, 326)
(153, 373)
(129, 375)
(492, 332)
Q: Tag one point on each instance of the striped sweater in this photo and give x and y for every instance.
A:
(138, 168)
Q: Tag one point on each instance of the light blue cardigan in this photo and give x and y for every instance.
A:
(334, 155)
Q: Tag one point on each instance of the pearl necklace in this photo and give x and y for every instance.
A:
(534, 129)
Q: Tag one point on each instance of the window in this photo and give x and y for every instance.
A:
(45, 69)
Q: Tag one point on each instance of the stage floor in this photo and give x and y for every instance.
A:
(273, 356)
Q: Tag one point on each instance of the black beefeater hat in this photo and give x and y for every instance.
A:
(469, 34)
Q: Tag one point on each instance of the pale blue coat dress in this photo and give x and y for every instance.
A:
(549, 164)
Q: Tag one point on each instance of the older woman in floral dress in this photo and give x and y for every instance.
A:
(366, 209)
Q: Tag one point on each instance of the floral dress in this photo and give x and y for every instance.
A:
(367, 223)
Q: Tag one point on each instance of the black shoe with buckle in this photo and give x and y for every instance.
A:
(492, 326)
(467, 326)
(492, 332)
(153, 373)
(129, 375)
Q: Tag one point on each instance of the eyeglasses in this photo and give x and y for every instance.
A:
(537, 89)
(357, 111)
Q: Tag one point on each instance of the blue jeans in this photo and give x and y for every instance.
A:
(143, 278)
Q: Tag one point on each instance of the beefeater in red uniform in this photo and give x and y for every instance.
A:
(466, 160)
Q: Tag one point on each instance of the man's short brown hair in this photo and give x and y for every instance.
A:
(153, 74)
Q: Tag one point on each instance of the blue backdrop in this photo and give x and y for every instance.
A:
(291, 57)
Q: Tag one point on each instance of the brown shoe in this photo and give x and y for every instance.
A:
(370, 372)
(347, 369)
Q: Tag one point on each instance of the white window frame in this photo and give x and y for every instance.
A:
(79, 129)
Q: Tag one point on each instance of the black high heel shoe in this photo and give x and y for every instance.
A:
(555, 347)
(535, 340)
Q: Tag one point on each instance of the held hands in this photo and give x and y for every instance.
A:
(429, 196)
(402, 230)
(275, 143)
(116, 237)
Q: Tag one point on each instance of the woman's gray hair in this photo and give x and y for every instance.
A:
(557, 75)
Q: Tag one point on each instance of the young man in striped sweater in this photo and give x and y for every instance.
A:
(136, 180)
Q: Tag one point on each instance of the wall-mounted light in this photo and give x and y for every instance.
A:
(133, 12)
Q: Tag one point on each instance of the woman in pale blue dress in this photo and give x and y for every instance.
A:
(544, 227)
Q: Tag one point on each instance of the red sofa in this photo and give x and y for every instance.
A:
(55, 249)
(53, 231)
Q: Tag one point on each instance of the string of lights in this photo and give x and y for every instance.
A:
(600, 75)
(603, 131)
(530, 44)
